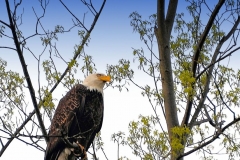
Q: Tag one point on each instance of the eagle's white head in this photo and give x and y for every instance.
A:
(96, 81)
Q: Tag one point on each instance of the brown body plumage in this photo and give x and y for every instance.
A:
(78, 118)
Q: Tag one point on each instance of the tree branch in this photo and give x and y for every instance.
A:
(5, 23)
(25, 70)
(224, 39)
(196, 57)
(82, 25)
(8, 48)
(80, 47)
(216, 136)
(209, 73)
(204, 36)
(163, 32)
(16, 132)
(172, 7)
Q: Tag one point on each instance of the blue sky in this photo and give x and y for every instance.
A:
(113, 26)
(111, 40)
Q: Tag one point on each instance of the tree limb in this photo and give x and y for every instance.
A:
(196, 57)
(209, 73)
(163, 33)
(171, 12)
(216, 136)
(8, 48)
(25, 71)
(5, 23)
(16, 132)
(204, 36)
(225, 38)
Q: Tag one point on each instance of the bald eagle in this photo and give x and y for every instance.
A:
(77, 119)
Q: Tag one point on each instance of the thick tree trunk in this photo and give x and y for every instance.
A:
(163, 32)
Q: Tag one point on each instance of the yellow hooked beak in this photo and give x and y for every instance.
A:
(104, 78)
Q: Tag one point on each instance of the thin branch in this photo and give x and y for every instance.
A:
(204, 36)
(25, 71)
(221, 97)
(197, 55)
(1, 142)
(104, 153)
(200, 122)
(16, 132)
(8, 48)
(82, 25)
(208, 117)
(78, 51)
(224, 39)
(209, 76)
(90, 7)
(94, 152)
(5, 23)
(216, 136)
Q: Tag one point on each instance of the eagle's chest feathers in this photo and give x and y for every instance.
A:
(93, 110)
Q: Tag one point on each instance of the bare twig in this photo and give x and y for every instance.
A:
(209, 75)
(82, 25)
(25, 70)
(8, 48)
(5, 23)
(196, 57)
(220, 131)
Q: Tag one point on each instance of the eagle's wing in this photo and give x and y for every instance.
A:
(95, 131)
(62, 120)
(93, 117)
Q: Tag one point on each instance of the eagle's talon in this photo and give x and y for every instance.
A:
(84, 154)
